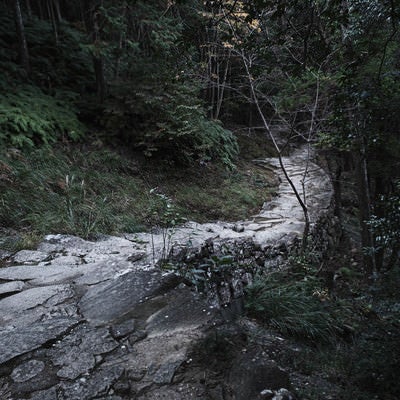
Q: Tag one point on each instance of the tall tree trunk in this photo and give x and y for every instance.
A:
(221, 87)
(50, 8)
(337, 188)
(28, 8)
(100, 80)
(98, 61)
(41, 14)
(56, 4)
(22, 45)
(335, 166)
(364, 209)
(90, 16)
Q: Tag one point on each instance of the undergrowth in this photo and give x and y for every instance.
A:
(367, 366)
(69, 192)
(300, 308)
(348, 336)
(81, 191)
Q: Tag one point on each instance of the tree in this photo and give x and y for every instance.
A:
(22, 45)
(270, 84)
(92, 15)
(328, 71)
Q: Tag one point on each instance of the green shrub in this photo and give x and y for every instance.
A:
(167, 119)
(28, 117)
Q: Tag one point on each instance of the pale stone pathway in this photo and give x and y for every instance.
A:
(99, 320)
(278, 218)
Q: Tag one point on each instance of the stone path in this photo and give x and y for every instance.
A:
(99, 320)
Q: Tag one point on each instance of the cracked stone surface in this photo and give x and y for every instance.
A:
(11, 287)
(27, 371)
(30, 257)
(100, 320)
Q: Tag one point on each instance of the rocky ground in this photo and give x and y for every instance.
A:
(103, 320)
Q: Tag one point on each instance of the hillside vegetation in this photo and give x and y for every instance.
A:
(111, 111)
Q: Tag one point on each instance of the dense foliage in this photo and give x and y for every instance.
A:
(157, 76)
(161, 80)
(123, 70)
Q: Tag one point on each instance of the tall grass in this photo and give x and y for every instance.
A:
(84, 194)
(296, 308)
(77, 191)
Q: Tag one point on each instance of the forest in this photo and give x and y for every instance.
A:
(102, 101)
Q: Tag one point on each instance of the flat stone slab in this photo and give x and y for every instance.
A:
(30, 257)
(93, 386)
(30, 298)
(11, 287)
(184, 310)
(95, 273)
(33, 317)
(41, 274)
(64, 261)
(27, 371)
(112, 300)
(77, 353)
(21, 340)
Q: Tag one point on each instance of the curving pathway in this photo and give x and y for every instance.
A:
(99, 320)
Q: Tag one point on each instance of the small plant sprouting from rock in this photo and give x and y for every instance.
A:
(164, 217)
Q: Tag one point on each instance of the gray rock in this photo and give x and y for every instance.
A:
(183, 310)
(137, 336)
(62, 243)
(267, 394)
(5, 391)
(30, 257)
(64, 261)
(182, 391)
(75, 363)
(98, 384)
(50, 394)
(99, 272)
(23, 339)
(238, 228)
(112, 300)
(123, 329)
(41, 275)
(31, 298)
(283, 394)
(166, 372)
(27, 370)
(34, 317)
(122, 387)
(76, 353)
(136, 256)
(11, 287)
(4, 254)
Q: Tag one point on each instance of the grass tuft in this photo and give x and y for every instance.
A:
(299, 308)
